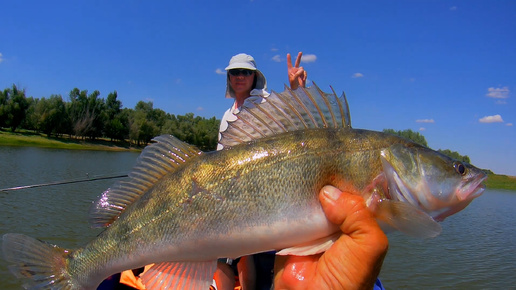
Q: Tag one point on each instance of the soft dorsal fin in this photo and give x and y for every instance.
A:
(288, 111)
(156, 160)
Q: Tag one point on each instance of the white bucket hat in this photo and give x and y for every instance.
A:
(245, 61)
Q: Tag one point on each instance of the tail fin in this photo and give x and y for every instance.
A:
(42, 265)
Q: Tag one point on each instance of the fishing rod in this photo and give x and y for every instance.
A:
(87, 179)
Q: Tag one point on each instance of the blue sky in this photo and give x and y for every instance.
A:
(444, 68)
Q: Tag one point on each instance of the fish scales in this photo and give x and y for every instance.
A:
(253, 196)
(204, 200)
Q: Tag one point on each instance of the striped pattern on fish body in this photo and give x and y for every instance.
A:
(182, 208)
(205, 200)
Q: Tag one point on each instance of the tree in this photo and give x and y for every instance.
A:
(86, 113)
(116, 126)
(159, 117)
(51, 114)
(185, 130)
(13, 106)
(418, 138)
(206, 133)
(3, 107)
(113, 106)
(96, 107)
(408, 134)
(455, 155)
(197, 131)
(31, 121)
(78, 112)
(171, 126)
(142, 127)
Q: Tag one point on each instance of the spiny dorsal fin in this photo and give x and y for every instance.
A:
(291, 110)
(156, 160)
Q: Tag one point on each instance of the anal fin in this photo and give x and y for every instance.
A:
(180, 275)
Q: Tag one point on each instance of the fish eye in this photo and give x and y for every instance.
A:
(459, 167)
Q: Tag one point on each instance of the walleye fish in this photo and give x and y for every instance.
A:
(182, 208)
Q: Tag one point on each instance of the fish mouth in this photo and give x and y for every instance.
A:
(464, 197)
(474, 189)
(479, 190)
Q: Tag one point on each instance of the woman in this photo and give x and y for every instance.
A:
(357, 255)
(244, 80)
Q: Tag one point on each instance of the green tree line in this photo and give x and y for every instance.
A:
(88, 116)
(420, 139)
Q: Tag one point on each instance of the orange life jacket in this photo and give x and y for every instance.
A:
(128, 278)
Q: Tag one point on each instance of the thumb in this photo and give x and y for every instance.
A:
(349, 211)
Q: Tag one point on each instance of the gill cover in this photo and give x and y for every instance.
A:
(434, 182)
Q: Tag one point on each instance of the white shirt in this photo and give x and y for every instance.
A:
(230, 114)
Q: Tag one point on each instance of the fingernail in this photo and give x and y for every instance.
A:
(331, 192)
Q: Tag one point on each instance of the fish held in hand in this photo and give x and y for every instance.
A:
(181, 208)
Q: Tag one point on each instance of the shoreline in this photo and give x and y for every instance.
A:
(30, 139)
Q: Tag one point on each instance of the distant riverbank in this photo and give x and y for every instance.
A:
(494, 181)
(39, 140)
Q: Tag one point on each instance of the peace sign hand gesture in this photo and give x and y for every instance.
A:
(296, 74)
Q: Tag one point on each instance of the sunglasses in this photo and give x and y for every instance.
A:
(237, 72)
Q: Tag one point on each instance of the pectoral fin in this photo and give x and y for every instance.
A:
(311, 248)
(407, 219)
(185, 275)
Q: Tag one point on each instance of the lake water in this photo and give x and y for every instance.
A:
(477, 249)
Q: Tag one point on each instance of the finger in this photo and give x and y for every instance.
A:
(298, 58)
(363, 244)
(299, 73)
(302, 81)
(350, 212)
(300, 76)
(289, 61)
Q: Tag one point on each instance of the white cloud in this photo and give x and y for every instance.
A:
(453, 8)
(274, 49)
(357, 75)
(425, 121)
(308, 58)
(498, 93)
(508, 124)
(220, 71)
(1, 58)
(276, 58)
(200, 109)
(422, 129)
(491, 119)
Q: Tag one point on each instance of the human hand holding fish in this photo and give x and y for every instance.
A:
(353, 261)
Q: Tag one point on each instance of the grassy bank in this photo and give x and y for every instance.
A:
(501, 182)
(39, 140)
(7, 138)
